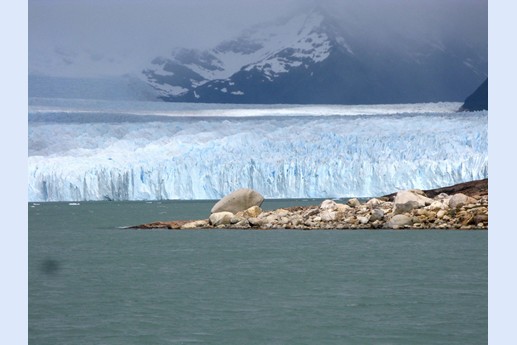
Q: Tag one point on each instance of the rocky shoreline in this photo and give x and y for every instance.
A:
(460, 207)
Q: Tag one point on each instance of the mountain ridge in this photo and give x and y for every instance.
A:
(311, 58)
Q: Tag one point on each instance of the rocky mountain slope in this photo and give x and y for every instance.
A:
(315, 58)
(478, 100)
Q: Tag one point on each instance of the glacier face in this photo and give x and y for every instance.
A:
(76, 154)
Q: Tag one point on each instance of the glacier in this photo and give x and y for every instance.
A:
(93, 150)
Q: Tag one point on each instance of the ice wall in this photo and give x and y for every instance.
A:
(281, 157)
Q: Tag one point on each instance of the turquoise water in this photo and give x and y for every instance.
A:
(91, 282)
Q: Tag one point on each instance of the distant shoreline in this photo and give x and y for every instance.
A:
(463, 206)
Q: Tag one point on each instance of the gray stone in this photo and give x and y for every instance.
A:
(458, 200)
(377, 214)
(239, 200)
(405, 207)
(407, 200)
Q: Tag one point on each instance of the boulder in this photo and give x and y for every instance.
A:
(239, 200)
(399, 221)
(328, 205)
(255, 221)
(412, 195)
(438, 205)
(458, 200)
(377, 214)
(373, 203)
(440, 214)
(405, 207)
(220, 218)
(354, 202)
(407, 200)
(251, 212)
(342, 208)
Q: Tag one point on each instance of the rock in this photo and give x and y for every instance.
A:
(255, 221)
(412, 195)
(197, 224)
(478, 100)
(328, 205)
(342, 208)
(405, 207)
(297, 220)
(354, 202)
(220, 218)
(310, 212)
(377, 214)
(243, 224)
(239, 200)
(373, 203)
(327, 215)
(281, 212)
(440, 214)
(458, 200)
(252, 212)
(236, 219)
(407, 200)
(481, 218)
(437, 205)
(362, 220)
(272, 218)
(442, 196)
(398, 221)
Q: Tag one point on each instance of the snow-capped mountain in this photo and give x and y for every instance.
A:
(314, 58)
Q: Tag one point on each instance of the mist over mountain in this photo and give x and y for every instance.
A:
(359, 53)
(313, 58)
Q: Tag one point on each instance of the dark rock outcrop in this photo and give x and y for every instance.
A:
(478, 100)
(474, 189)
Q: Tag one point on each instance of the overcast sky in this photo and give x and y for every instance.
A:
(144, 29)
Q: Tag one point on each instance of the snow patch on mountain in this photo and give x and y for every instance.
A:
(271, 49)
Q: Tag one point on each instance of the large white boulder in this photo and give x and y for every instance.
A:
(220, 218)
(239, 200)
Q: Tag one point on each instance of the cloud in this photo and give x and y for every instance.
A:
(144, 29)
